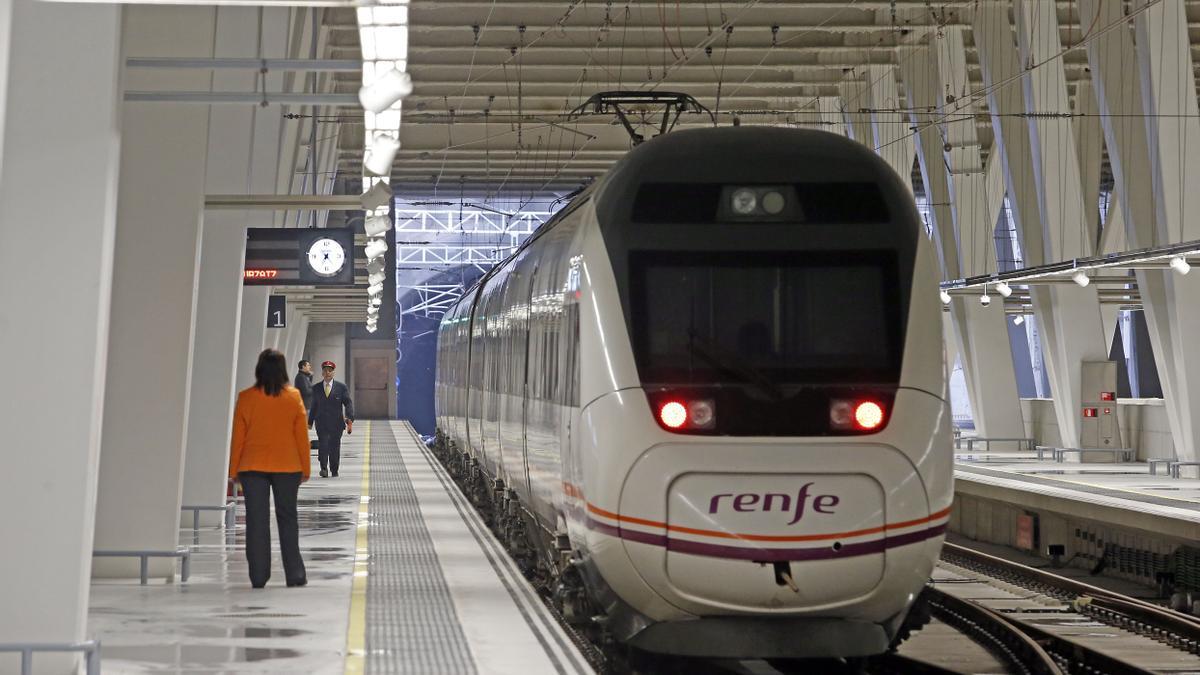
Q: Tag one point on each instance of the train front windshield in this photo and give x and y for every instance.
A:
(766, 319)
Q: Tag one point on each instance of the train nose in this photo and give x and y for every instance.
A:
(749, 533)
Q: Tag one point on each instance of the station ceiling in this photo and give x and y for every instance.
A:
(496, 80)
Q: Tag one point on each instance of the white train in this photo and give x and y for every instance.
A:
(706, 403)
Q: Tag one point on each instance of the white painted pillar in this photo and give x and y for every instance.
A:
(854, 96)
(1042, 175)
(54, 291)
(964, 213)
(218, 311)
(252, 333)
(6, 18)
(159, 209)
(1173, 136)
(891, 137)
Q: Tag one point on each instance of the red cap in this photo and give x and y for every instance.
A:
(329, 364)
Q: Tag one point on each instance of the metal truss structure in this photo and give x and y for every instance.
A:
(432, 241)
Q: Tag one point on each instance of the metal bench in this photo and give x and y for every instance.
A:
(1124, 454)
(1174, 467)
(183, 553)
(1154, 462)
(90, 649)
(987, 441)
(230, 509)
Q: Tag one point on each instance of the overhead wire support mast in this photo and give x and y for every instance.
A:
(621, 103)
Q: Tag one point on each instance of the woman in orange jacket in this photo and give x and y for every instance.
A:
(270, 453)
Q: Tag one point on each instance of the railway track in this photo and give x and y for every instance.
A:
(1082, 628)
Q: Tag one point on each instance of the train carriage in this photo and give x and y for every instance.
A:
(709, 397)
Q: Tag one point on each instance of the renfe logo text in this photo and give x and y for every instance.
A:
(777, 501)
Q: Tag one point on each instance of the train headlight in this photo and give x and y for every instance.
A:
(744, 202)
(868, 415)
(702, 414)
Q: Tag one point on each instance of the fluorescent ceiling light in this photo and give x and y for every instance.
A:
(376, 226)
(385, 91)
(1081, 278)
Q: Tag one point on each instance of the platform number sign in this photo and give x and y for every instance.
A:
(277, 311)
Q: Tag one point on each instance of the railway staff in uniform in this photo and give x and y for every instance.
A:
(330, 397)
(269, 455)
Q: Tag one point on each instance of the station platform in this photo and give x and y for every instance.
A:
(1123, 494)
(403, 577)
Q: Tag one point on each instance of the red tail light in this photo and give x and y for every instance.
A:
(849, 415)
(683, 414)
(868, 415)
(673, 414)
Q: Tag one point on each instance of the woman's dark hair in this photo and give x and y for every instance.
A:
(271, 373)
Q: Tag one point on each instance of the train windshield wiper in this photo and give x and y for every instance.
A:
(733, 364)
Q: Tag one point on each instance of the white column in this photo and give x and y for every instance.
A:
(964, 212)
(54, 291)
(6, 17)
(218, 312)
(891, 137)
(1173, 137)
(854, 96)
(161, 200)
(1042, 172)
(252, 334)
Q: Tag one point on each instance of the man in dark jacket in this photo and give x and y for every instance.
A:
(304, 384)
(329, 399)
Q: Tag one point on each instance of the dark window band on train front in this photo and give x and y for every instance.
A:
(848, 203)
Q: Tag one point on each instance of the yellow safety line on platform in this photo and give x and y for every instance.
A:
(356, 630)
(1068, 481)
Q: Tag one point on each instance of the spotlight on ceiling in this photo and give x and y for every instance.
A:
(371, 328)
(377, 197)
(945, 297)
(375, 266)
(1081, 278)
(388, 88)
(380, 155)
(1179, 264)
(375, 249)
(1003, 289)
(375, 289)
(1019, 320)
(376, 226)
(375, 301)
(375, 278)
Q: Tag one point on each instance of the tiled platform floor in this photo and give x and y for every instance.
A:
(417, 533)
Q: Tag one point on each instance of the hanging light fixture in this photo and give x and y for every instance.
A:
(377, 226)
(945, 297)
(1180, 265)
(1003, 289)
(1081, 278)
(375, 249)
(380, 154)
(388, 88)
(377, 197)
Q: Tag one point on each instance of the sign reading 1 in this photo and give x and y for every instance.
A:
(276, 311)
